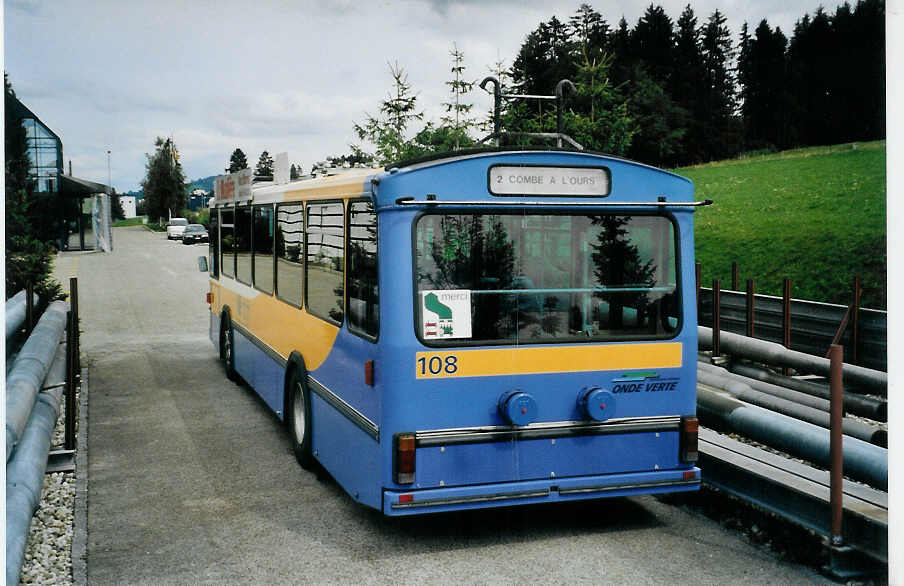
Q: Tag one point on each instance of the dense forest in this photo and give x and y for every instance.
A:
(692, 94)
(672, 92)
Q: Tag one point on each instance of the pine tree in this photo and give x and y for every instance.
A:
(652, 42)
(294, 172)
(237, 161)
(387, 132)
(600, 120)
(721, 128)
(763, 79)
(264, 167)
(687, 77)
(457, 112)
(164, 182)
(590, 31)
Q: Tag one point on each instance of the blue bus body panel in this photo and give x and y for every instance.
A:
(260, 371)
(351, 456)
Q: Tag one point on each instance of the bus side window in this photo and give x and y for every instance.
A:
(213, 244)
(363, 289)
(289, 248)
(263, 248)
(227, 242)
(325, 261)
(243, 244)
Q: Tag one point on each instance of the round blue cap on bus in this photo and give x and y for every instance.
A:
(518, 408)
(596, 403)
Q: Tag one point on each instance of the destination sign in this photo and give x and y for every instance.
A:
(560, 181)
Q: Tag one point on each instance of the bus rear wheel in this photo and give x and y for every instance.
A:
(227, 348)
(299, 420)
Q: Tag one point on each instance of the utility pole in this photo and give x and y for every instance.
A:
(109, 175)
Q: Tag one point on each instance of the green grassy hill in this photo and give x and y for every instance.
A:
(816, 215)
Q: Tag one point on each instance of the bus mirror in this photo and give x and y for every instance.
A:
(202, 264)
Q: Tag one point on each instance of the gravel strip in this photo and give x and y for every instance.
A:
(48, 550)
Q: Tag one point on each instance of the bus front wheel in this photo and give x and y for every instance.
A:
(299, 420)
(227, 348)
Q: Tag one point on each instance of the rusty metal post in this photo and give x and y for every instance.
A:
(750, 308)
(69, 428)
(734, 276)
(855, 321)
(29, 307)
(73, 307)
(717, 317)
(786, 319)
(698, 272)
(836, 357)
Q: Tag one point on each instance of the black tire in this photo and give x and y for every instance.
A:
(298, 419)
(227, 348)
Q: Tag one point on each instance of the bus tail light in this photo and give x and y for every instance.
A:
(404, 458)
(369, 373)
(209, 298)
(689, 427)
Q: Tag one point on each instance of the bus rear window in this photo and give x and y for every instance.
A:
(534, 278)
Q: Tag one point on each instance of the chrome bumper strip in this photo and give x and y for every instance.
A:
(556, 429)
(356, 417)
(611, 487)
(461, 500)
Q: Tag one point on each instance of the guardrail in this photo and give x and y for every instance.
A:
(813, 325)
(43, 373)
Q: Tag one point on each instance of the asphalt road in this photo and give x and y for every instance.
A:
(192, 480)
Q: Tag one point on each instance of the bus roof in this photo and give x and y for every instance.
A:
(464, 176)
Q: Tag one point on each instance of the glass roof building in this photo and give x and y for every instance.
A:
(63, 192)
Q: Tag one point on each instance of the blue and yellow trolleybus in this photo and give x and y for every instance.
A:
(482, 329)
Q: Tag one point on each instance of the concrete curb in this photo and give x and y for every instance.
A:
(79, 551)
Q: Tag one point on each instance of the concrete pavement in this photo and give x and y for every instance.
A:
(192, 480)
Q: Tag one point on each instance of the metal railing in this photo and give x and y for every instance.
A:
(813, 325)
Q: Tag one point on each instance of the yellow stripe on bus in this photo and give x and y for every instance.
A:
(545, 360)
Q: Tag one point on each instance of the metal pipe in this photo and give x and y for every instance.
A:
(862, 461)
(716, 338)
(855, 321)
(875, 409)
(25, 471)
(836, 450)
(744, 392)
(786, 318)
(768, 388)
(29, 307)
(69, 430)
(698, 272)
(750, 306)
(16, 312)
(30, 369)
(771, 353)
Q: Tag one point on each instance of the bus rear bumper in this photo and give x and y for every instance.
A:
(413, 502)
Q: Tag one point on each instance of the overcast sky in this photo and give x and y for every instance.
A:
(269, 75)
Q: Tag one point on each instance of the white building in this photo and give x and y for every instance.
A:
(128, 205)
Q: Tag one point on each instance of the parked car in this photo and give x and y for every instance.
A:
(194, 233)
(175, 227)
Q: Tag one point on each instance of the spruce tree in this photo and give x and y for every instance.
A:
(457, 112)
(237, 161)
(264, 167)
(397, 111)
